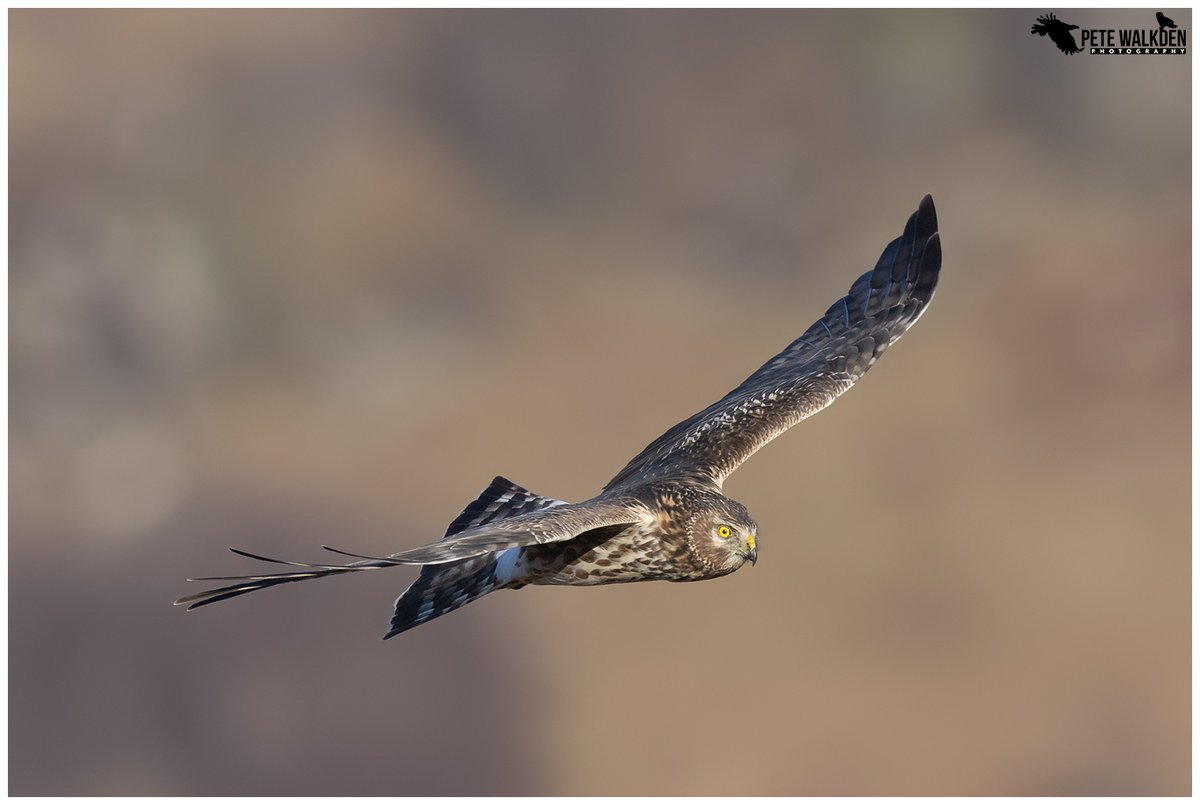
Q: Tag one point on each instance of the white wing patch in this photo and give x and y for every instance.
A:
(506, 565)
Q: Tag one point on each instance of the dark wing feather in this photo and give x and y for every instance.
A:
(499, 500)
(810, 373)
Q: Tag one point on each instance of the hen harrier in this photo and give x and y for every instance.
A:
(663, 516)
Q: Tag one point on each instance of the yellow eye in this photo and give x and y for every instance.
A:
(724, 532)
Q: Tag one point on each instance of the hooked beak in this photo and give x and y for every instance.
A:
(752, 549)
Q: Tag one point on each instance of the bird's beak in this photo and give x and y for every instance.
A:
(752, 555)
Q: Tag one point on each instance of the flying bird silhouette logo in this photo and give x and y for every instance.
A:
(1164, 21)
(1059, 32)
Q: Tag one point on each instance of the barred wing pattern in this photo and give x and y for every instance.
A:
(499, 500)
(447, 586)
(809, 373)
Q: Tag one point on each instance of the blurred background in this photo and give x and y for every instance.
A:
(280, 279)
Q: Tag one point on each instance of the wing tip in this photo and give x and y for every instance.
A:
(190, 602)
(924, 220)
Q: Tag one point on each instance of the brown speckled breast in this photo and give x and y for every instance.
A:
(623, 555)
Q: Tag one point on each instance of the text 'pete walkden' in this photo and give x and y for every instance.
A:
(1165, 41)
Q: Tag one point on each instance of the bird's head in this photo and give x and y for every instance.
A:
(724, 535)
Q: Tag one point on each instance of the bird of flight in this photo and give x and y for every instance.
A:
(662, 517)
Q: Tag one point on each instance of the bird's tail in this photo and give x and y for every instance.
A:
(247, 584)
(446, 587)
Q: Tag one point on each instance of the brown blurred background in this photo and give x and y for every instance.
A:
(279, 279)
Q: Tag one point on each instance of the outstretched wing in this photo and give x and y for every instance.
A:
(240, 585)
(554, 524)
(810, 373)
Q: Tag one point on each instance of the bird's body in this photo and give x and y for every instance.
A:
(663, 517)
(654, 549)
(1059, 32)
(1164, 21)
